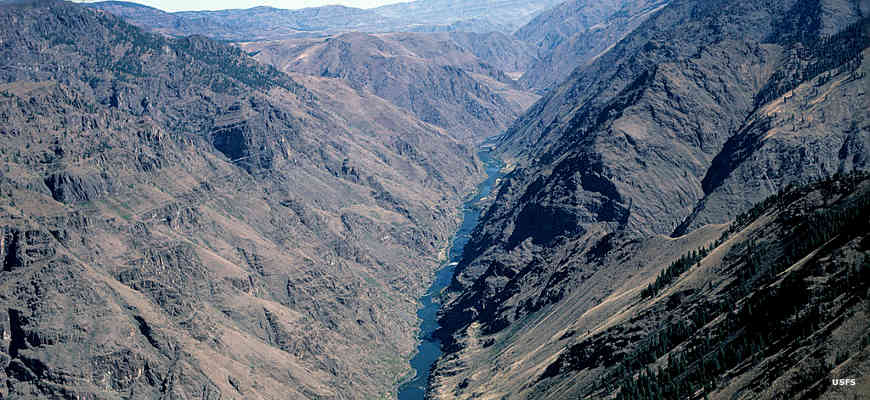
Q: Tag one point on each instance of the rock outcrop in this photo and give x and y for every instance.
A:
(770, 306)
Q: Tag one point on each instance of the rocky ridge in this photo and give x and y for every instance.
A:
(773, 305)
(574, 33)
(459, 81)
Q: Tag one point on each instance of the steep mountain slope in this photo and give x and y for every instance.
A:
(661, 106)
(441, 78)
(179, 221)
(555, 25)
(773, 306)
(811, 121)
(699, 112)
(495, 49)
(576, 32)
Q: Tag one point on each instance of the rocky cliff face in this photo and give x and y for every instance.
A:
(181, 221)
(454, 80)
(699, 112)
(666, 102)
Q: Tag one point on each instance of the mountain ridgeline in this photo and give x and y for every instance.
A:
(458, 81)
(440, 60)
(268, 23)
(575, 33)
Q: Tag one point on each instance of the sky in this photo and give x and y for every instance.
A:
(185, 5)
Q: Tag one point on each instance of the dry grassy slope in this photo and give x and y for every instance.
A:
(179, 221)
(658, 131)
(796, 138)
(601, 316)
(575, 33)
(440, 77)
(589, 294)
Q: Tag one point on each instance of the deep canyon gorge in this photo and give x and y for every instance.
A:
(615, 199)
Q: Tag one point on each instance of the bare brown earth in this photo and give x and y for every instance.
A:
(179, 221)
(461, 82)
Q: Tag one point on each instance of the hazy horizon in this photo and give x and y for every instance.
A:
(200, 5)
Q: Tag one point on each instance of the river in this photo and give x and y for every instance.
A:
(429, 348)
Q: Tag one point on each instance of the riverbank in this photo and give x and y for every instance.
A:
(429, 348)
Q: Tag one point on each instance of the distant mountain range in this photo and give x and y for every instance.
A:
(490, 83)
(267, 23)
(439, 60)
(467, 15)
(564, 35)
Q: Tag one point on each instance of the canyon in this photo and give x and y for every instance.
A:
(619, 199)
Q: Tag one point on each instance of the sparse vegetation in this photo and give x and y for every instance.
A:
(823, 227)
(675, 269)
(811, 57)
(771, 314)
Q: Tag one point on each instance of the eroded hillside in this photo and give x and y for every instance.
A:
(181, 221)
(575, 33)
(463, 82)
(701, 111)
